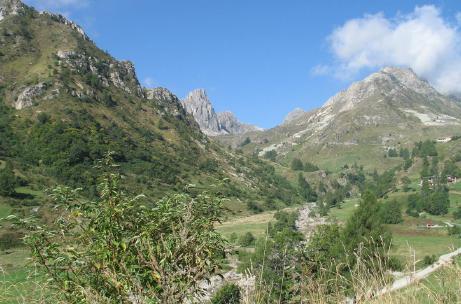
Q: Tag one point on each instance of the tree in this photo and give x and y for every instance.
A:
(297, 164)
(305, 189)
(391, 213)
(8, 181)
(118, 249)
(364, 230)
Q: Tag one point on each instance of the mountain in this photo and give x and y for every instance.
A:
(211, 123)
(293, 115)
(389, 108)
(64, 103)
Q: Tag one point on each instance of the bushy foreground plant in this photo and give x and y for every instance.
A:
(119, 250)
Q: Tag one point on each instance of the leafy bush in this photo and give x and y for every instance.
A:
(247, 240)
(117, 249)
(271, 155)
(429, 260)
(228, 294)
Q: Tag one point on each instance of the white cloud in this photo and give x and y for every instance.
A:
(422, 40)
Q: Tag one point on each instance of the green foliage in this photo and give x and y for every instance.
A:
(247, 141)
(271, 155)
(424, 149)
(455, 230)
(381, 184)
(429, 260)
(435, 201)
(457, 214)
(118, 248)
(391, 213)
(233, 238)
(310, 167)
(247, 240)
(334, 250)
(227, 294)
(8, 181)
(297, 164)
(392, 153)
(305, 189)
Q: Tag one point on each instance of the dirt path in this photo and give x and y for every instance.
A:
(420, 274)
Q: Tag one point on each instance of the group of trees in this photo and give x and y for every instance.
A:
(305, 189)
(435, 201)
(298, 165)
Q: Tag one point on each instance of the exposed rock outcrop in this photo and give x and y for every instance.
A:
(120, 74)
(198, 104)
(10, 7)
(295, 114)
(211, 123)
(229, 122)
(168, 103)
(28, 95)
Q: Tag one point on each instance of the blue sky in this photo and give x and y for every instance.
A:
(262, 58)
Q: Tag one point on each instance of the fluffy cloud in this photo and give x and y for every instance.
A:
(422, 40)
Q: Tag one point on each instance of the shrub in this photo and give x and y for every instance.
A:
(271, 155)
(117, 248)
(429, 260)
(247, 240)
(227, 294)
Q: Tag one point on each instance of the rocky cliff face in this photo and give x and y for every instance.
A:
(10, 7)
(229, 122)
(198, 105)
(169, 104)
(71, 65)
(211, 123)
(293, 115)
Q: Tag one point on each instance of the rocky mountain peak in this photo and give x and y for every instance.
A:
(293, 115)
(199, 106)
(390, 83)
(211, 123)
(10, 7)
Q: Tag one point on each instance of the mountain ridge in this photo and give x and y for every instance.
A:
(389, 108)
(198, 104)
